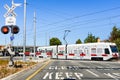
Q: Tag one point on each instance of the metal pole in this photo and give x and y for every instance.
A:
(34, 33)
(65, 35)
(46, 39)
(64, 38)
(24, 36)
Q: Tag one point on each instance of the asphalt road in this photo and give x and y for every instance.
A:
(79, 70)
(71, 70)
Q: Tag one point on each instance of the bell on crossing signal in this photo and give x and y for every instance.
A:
(14, 29)
(5, 30)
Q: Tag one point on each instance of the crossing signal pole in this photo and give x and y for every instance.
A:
(10, 23)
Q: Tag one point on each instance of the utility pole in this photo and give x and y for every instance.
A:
(46, 39)
(64, 38)
(24, 31)
(34, 33)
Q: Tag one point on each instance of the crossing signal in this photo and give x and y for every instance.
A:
(15, 29)
(5, 30)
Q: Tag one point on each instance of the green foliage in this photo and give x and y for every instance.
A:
(90, 39)
(55, 41)
(115, 36)
(78, 41)
(117, 41)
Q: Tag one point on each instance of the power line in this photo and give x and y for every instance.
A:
(89, 27)
(86, 22)
(72, 18)
(115, 8)
(83, 15)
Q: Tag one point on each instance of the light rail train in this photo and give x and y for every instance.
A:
(89, 51)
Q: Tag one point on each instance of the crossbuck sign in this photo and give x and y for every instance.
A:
(10, 15)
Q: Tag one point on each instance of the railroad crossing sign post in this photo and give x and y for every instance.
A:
(10, 22)
(10, 15)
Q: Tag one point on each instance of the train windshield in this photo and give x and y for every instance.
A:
(114, 49)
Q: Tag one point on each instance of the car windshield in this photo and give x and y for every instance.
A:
(114, 48)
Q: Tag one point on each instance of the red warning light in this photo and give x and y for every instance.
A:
(5, 30)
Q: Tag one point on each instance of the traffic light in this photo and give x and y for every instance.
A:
(14, 29)
(5, 30)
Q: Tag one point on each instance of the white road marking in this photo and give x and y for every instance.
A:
(69, 75)
(48, 75)
(79, 75)
(92, 73)
(110, 75)
(59, 75)
(117, 75)
(62, 75)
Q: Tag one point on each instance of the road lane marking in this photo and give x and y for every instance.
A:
(93, 73)
(48, 74)
(79, 75)
(36, 72)
(112, 76)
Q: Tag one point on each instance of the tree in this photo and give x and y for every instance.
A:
(90, 39)
(117, 41)
(55, 41)
(115, 34)
(78, 41)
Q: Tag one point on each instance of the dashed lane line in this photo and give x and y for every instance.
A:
(92, 73)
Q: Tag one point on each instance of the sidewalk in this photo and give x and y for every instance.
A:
(22, 75)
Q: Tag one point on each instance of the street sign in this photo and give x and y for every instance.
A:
(12, 38)
(10, 20)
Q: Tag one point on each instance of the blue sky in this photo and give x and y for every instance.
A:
(53, 17)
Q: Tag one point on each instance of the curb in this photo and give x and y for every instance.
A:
(10, 77)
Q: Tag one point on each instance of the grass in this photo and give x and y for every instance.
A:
(3, 62)
(19, 65)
